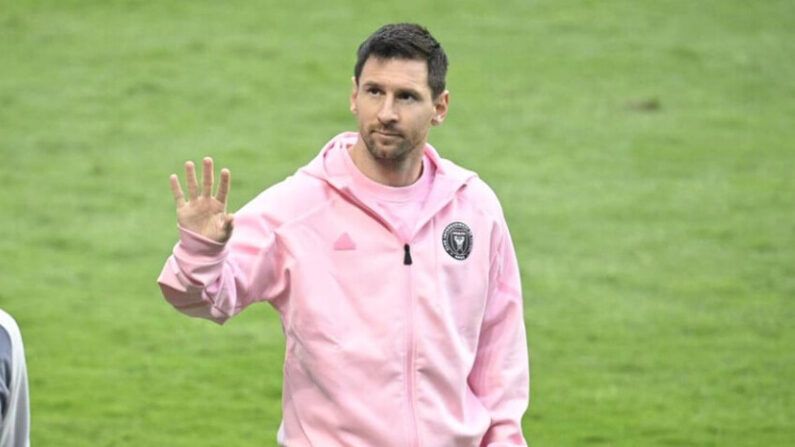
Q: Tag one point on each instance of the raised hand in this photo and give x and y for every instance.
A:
(204, 213)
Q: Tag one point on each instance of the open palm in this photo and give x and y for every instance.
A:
(202, 212)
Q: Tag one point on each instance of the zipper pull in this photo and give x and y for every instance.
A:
(407, 255)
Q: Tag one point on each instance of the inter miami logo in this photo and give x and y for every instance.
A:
(457, 240)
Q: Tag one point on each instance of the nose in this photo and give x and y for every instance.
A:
(387, 113)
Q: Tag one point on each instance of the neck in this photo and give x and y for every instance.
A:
(396, 173)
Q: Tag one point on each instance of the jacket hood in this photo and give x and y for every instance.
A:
(448, 179)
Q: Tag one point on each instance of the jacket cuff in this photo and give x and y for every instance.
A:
(195, 245)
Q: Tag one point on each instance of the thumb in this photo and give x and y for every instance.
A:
(228, 226)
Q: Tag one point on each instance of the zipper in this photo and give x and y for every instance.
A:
(410, 348)
(414, 437)
(406, 255)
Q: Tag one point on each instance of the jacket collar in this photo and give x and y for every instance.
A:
(448, 180)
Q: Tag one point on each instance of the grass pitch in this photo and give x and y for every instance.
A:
(643, 152)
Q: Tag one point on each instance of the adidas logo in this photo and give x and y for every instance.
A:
(344, 242)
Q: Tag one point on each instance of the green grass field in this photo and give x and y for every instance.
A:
(643, 152)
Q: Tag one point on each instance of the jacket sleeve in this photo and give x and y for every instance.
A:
(15, 411)
(500, 376)
(206, 279)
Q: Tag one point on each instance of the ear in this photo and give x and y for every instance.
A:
(440, 107)
(353, 94)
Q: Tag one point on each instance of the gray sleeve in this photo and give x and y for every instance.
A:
(5, 373)
(14, 405)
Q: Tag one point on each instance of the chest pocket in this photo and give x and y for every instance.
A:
(343, 299)
(463, 277)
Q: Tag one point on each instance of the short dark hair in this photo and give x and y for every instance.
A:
(406, 41)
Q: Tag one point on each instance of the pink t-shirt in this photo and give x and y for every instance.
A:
(400, 205)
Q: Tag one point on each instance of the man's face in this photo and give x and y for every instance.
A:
(394, 107)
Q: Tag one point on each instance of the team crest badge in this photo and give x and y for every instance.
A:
(457, 240)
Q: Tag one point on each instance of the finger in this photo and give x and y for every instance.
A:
(228, 226)
(223, 186)
(190, 175)
(179, 197)
(207, 177)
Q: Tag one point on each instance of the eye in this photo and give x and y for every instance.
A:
(405, 96)
(374, 90)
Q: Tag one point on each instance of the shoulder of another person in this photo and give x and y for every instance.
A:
(8, 323)
(8, 333)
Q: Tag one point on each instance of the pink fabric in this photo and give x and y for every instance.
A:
(344, 243)
(400, 206)
(379, 353)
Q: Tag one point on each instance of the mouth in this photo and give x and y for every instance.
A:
(387, 134)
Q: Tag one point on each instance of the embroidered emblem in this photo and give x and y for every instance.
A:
(457, 240)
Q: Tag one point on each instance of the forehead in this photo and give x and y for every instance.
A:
(409, 73)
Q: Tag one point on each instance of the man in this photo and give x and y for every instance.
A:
(392, 270)
(14, 411)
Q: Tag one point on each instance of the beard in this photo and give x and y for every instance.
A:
(392, 149)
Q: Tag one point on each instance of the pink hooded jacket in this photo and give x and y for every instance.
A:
(390, 341)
